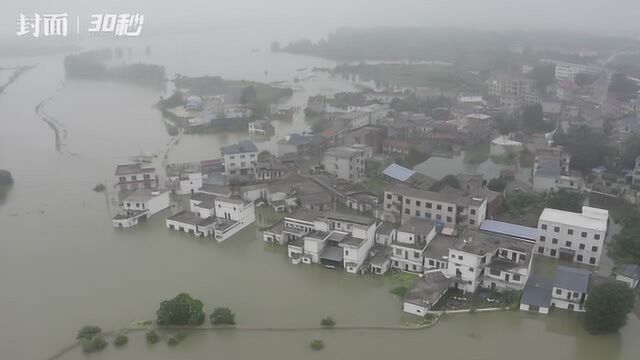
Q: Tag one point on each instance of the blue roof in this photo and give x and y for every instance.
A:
(398, 172)
(297, 139)
(243, 146)
(599, 170)
(513, 230)
(572, 279)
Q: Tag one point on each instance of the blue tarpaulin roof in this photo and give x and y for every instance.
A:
(513, 230)
(398, 172)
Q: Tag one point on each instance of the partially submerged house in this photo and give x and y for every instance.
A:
(628, 273)
(211, 215)
(139, 206)
(135, 176)
(425, 293)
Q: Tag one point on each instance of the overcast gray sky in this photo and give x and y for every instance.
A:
(317, 17)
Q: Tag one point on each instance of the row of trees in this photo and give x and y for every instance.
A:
(184, 310)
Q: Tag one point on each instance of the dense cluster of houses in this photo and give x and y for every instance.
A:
(440, 229)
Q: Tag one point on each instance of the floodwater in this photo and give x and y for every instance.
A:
(63, 266)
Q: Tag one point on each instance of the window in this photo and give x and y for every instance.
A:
(415, 268)
(504, 253)
(471, 269)
(407, 201)
(428, 205)
(430, 262)
(389, 196)
(449, 219)
(579, 258)
(407, 211)
(472, 222)
(523, 257)
(416, 255)
(570, 231)
(596, 236)
(460, 257)
(417, 202)
(398, 252)
(438, 207)
(592, 261)
(567, 244)
(438, 217)
(554, 241)
(556, 229)
(558, 292)
(584, 234)
(346, 253)
(516, 277)
(417, 212)
(553, 252)
(594, 248)
(543, 227)
(472, 211)
(581, 247)
(427, 215)
(453, 256)
(450, 209)
(540, 250)
(542, 239)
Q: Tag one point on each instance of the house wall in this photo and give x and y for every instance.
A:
(550, 242)
(564, 299)
(414, 309)
(179, 226)
(469, 266)
(190, 185)
(239, 163)
(627, 280)
(541, 310)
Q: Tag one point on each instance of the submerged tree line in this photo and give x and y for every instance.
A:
(93, 65)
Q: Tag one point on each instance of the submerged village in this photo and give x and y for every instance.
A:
(352, 194)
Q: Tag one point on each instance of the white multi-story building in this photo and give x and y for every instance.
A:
(140, 205)
(347, 162)
(570, 288)
(135, 176)
(577, 237)
(568, 71)
(447, 209)
(240, 158)
(331, 238)
(184, 178)
(478, 259)
(211, 215)
(411, 241)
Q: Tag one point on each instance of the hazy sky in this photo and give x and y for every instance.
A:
(315, 18)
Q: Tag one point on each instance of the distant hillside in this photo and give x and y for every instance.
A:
(466, 49)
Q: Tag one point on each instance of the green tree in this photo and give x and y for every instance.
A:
(120, 340)
(5, 177)
(181, 310)
(533, 118)
(152, 337)
(497, 185)
(222, 316)
(87, 332)
(94, 344)
(316, 345)
(622, 88)
(607, 307)
(328, 322)
(249, 95)
(544, 75)
(565, 200)
(588, 147)
(630, 151)
(584, 79)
